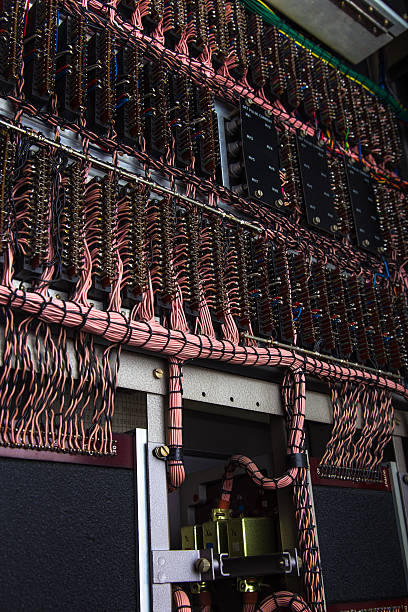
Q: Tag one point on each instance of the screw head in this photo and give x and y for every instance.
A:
(202, 565)
(158, 373)
(316, 220)
(279, 203)
(161, 452)
(258, 193)
(366, 243)
(334, 228)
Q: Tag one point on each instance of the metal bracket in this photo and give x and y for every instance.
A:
(221, 557)
(181, 565)
(175, 566)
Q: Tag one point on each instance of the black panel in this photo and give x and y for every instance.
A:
(317, 190)
(67, 537)
(261, 155)
(206, 432)
(359, 544)
(364, 208)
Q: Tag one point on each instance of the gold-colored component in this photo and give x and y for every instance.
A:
(161, 452)
(158, 373)
(248, 585)
(198, 587)
(219, 514)
(202, 565)
(250, 536)
(215, 534)
(192, 537)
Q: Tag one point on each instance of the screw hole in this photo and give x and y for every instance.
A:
(231, 399)
(257, 403)
(203, 394)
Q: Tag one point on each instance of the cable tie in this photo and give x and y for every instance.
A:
(297, 460)
(175, 454)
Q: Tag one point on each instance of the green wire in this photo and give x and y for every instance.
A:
(270, 17)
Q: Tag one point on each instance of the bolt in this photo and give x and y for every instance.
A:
(334, 228)
(161, 452)
(258, 193)
(202, 565)
(158, 373)
(366, 243)
(279, 203)
(316, 220)
(381, 250)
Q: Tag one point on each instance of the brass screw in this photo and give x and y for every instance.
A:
(202, 565)
(334, 228)
(158, 373)
(161, 452)
(366, 243)
(279, 203)
(258, 193)
(316, 220)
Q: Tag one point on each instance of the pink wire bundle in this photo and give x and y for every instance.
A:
(181, 600)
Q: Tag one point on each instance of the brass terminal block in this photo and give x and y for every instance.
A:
(199, 587)
(248, 585)
(219, 514)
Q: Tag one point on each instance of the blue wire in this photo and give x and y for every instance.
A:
(122, 102)
(386, 267)
(116, 65)
(298, 314)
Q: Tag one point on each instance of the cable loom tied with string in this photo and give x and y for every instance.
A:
(243, 284)
(42, 418)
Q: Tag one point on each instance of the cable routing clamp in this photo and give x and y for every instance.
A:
(297, 460)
